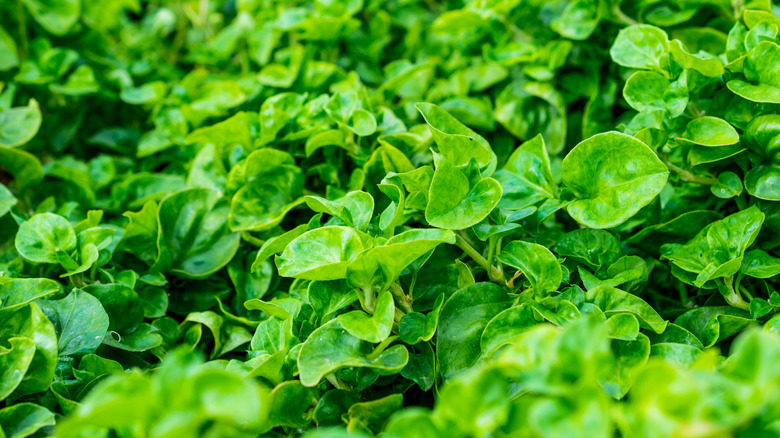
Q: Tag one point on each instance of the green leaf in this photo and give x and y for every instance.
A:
(718, 249)
(461, 322)
(729, 185)
(454, 203)
(526, 178)
(641, 46)
(763, 78)
(615, 301)
(194, 240)
(714, 323)
(376, 268)
(320, 254)
(354, 209)
(25, 167)
(56, 16)
(631, 357)
(18, 292)
(415, 327)
(79, 320)
(623, 175)
(763, 182)
(648, 91)
(25, 419)
(759, 264)
(9, 55)
(330, 348)
(506, 327)
(709, 131)
(20, 124)
(29, 324)
(457, 143)
(375, 328)
(536, 262)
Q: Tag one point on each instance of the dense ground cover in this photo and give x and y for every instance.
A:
(488, 218)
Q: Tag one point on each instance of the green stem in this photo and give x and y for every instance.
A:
(746, 292)
(381, 347)
(369, 300)
(403, 299)
(741, 202)
(246, 235)
(732, 296)
(687, 176)
(622, 17)
(491, 251)
(335, 381)
(499, 241)
(493, 273)
(21, 17)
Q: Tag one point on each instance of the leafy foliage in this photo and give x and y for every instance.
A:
(409, 218)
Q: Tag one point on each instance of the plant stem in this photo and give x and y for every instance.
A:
(733, 297)
(687, 176)
(335, 381)
(246, 235)
(622, 17)
(21, 17)
(381, 347)
(481, 261)
(403, 300)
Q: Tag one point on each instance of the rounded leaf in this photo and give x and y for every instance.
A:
(640, 46)
(613, 175)
(710, 131)
(43, 235)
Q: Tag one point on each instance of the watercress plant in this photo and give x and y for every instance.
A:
(526, 218)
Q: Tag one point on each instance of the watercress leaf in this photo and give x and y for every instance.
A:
(709, 131)
(526, 178)
(10, 54)
(454, 203)
(536, 262)
(648, 91)
(193, 239)
(632, 355)
(457, 143)
(25, 167)
(641, 46)
(702, 62)
(40, 238)
(354, 209)
(17, 293)
(729, 185)
(415, 327)
(714, 323)
(611, 301)
(321, 254)
(374, 269)
(330, 348)
(506, 327)
(29, 323)
(375, 328)
(623, 176)
(121, 303)
(19, 125)
(25, 419)
(718, 249)
(594, 248)
(80, 321)
(15, 361)
(759, 264)
(763, 182)
(578, 20)
(462, 320)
